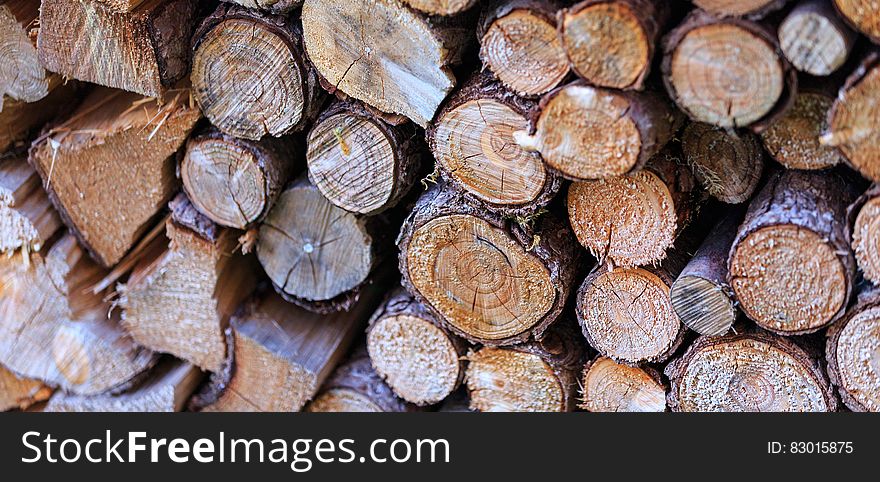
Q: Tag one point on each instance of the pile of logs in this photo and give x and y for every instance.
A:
(398, 205)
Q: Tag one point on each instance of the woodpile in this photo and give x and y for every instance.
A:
(426, 205)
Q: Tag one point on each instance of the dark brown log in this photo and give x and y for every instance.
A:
(727, 72)
(20, 393)
(441, 7)
(280, 7)
(736, 8)
(611, 43)
(793, 140)
(852, 353)
(790, 265)
(250, 76)
(748, 372)
(862, 15)
(234, 182)
(356, 387)
(608, 386)
(814, 39)
(727, 164)
(864, 217)
(27, 218)
(145, 50)
(487, 279)
(473, 142)
(418, 358)
(518, 43)
(360, 162)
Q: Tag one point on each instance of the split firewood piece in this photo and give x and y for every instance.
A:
(22, 76)
(611, 43)
(864, 217)
(701, 294)
(233, 181)
(536, 376)
(626, 314)
(473, 143)
(608, 386)
(182, 292)
(27, 218)
(145, 50)
(586, 132)
(20, 393)
(419, 359)
(851, 352)
(727, 72)
(739, 8)
(384, 54)
(281, 7)
(54, 329)
(441, 7)
(316, 254)
(861, 14)
(115, 150)
(727, 164)
(632, 220)
(519, 44)
(854, 119)
(356, 387)
(487, 279)
(793, 140)
(19, 119)
(167, 389)
(250, 75)
(748, 372)
(814, 39)
(790, 265)
(359, 161)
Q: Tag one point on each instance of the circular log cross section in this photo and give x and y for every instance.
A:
(474, 143)
(343, 400)
(854, 354)
(21, 76)
(702, 305)
(480, 280)
(503, 380)
(854, 120)
(863, 15)
(728, 166)
(866, 239)
(523, 50)
(247, 80)
(612, 387)
(793, 139)
(815, 40)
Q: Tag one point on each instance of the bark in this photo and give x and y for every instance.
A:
(472, 140)
(814, 39)
(441, 7)
(793, 140)
(499, 283)
(727, 164)
(864, 222)
(20, 393)
(356, 387)
(27, 218)
(278, 7)
(19, 119)
(851, 353)
(143, 51)
(607, 386)
(861, 16)
(790, 264)
(359, 161)
(275, 89)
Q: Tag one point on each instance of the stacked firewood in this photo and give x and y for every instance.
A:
(397, 205)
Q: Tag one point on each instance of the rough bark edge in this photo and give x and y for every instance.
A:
(868, 298)
(357, 374)
(210, 390)
(185, 214)
(174, 20)
(870, 62)
(281, 7)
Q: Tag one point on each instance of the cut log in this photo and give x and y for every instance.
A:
(632, 220)
(145, 50)
(250, 76)
(750, 8)
(167, 389)
(748, 372)
(280, 7)
(114, 150)
(727, 72)
(19, 119)
(179, 297)
(863, 15)
(586, 132)
(727, 164)
(441, 7)
(626, 314)
(27, 218)
(359, 161)
(20, 393)
(22, 77)
(519, 44)
(853, 353)
(790, 265)
(487, 279)
(701, 294)
(316, 254)
(611, 43)
(419, 359)
(864, 217)
(793, 139)
(537, 376)
(814, 39)
(232, 181)
(55, 330)
(473, 143)
(384, 54)
(356, 387)
(854, 118)
(608, 386)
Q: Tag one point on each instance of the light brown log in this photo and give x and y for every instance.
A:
(608, 386)
(611, 43)
(793, 140)
(19, 119)
(115, 150)
(356, 387)
(727, 164)
(853, 353)
(863, 15)
(145, 50)
(27, 218)
(250, 76)
(20, 393)
(748, 372)
(180, 296)
(814, 38)
(121, 5)
(864, 217)
(22, 77)
(750, 8)
(441, 7)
